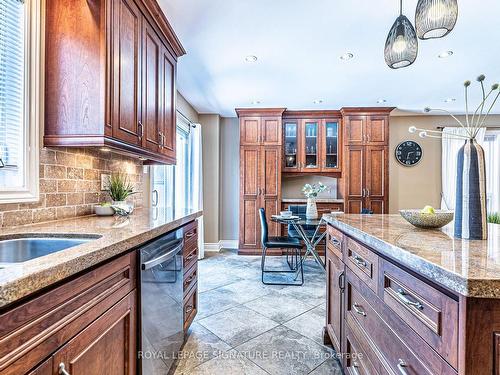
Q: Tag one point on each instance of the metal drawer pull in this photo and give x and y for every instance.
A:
(402, 297)
(189, 309)
(355, 366)
(402, 367)
(190, 234)
(189, 279)
(359, 261)
(358, 309)
(335, 242)
(62, 369)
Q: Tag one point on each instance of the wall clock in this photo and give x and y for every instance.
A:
(408, 153)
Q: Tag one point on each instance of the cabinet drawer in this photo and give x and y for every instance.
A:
(32, 331)
(356, 361)
(392, 351)
(431, 313)
(190, 306)
(191, 231)
(190, 254)
(190, 278)
(363, 262)
(335, 240)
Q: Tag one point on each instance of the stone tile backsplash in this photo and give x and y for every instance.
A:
(70, 185)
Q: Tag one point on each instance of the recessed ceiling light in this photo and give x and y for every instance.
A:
(346, 56)
(381, 101)
(445, 54)
(318, 101)
(255, 102)
(449, 100)
(251, 59)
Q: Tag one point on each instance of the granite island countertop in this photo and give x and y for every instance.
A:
(467, 267)
(116, 236)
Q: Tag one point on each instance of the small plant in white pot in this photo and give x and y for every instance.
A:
(119, 189)
(311, 192)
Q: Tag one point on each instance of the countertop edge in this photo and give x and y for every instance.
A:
(22, 287)
(474, 288)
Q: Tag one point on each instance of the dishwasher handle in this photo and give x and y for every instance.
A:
(172, 249)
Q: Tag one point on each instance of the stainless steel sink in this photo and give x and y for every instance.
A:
(25, 248)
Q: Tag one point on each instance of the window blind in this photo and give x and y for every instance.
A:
(12, 76)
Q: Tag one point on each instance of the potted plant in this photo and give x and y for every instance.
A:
(119, 189)
(494, 218)
(311, 192)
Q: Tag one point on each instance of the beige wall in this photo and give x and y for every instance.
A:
(229, 178)
(420, 185)
(186, 109)
(291, 187)
(210, 134)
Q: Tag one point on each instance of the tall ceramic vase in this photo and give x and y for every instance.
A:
(311, 209)
(470, 206)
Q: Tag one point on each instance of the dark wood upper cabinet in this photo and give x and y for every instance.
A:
(250, 130)
(355, 130)
(110, 77)
(271, 131)
(127, 30)
(312, 142)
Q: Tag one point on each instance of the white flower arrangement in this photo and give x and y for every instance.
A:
(312, 191)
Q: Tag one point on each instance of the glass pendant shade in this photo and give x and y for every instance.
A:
(435, 18)
(401, 46)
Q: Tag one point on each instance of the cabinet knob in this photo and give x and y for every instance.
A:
(62, 369)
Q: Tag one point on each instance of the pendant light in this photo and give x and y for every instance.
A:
(401, 46)
(435, 18)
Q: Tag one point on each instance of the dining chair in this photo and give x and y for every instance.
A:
(293, 246)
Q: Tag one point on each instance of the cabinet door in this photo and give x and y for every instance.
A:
(376, 178)
(310, 146)
(107, 346)
(45, 368)
(250, 131)
(355, 166)
(249, 197)
(334, 298)
(377, 130)
(330, 146)
(270, 131)
(127, 124)
(168, 94)
(271, 185)
(290, 146)
(151, 100)
(355, 130)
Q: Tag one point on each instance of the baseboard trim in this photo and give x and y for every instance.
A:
(222, 244)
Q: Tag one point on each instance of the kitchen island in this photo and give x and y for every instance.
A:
(412, 301)
(60, 312)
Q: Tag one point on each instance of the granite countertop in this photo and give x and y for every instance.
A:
(318, 200)
(117, 235)
(470, 268)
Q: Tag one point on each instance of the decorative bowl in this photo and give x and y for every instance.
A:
(104, 210)
(434, 220)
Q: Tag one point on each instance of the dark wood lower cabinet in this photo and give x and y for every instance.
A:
(190, 302)
(107, 346)
(385, 319)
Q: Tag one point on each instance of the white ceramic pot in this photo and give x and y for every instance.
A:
(311, 210)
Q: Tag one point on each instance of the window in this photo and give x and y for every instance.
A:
(491, 147)
(20, 68)
(178, 187)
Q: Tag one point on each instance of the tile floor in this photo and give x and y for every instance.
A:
(246, 327)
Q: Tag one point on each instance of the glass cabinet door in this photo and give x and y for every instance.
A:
(331, 145)
(291, 133)
(311, 145)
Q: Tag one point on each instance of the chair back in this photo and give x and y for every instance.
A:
(366, 211)
(298, 210)
(264, 232)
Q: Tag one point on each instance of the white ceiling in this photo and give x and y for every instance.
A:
(298, 44)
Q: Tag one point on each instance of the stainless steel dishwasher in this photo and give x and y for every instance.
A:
(161, 333)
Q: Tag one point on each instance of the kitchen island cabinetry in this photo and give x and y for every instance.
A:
(393, 298)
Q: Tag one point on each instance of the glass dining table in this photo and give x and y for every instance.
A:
(311, 242)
